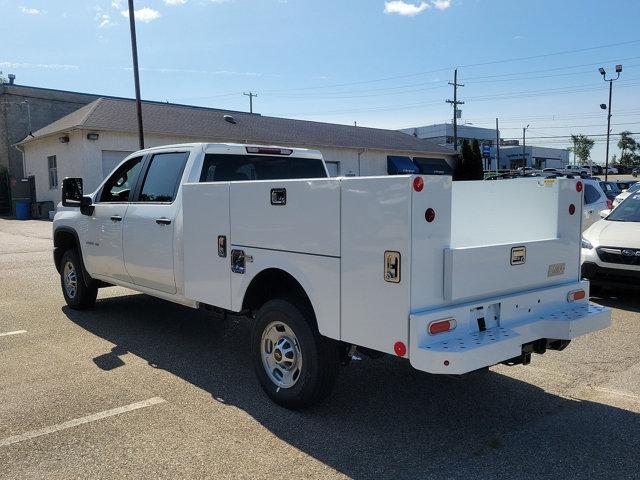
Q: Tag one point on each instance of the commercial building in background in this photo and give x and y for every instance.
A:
(24, 110)
(534, 156)
(442, 134)
(511, 152)
(91, 141)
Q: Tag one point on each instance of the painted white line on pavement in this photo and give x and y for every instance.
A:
(80, 421)
(16, 332)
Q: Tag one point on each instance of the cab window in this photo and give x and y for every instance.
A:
(121, 184)
(163, 177)
(233, 168)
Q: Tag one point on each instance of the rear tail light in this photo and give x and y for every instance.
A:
(442, 326)
(269, 150)
(576, 295)
(609, 204)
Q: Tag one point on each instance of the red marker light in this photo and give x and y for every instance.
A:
(418, 184)
(572, 209)
(579, 187)
(430, 215)
(400, 349)
(576, 295)
(441, 326)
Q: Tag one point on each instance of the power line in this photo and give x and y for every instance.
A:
(492, 62)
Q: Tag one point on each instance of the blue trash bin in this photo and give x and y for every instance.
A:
(23, 210)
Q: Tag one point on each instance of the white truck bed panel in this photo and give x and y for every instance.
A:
(376, 216)
(205, 217)
(309, 222)
(486, 271)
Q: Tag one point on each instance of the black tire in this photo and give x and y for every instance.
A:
(83, 296)
(320, 360)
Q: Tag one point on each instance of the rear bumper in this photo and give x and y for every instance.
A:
(466, 349)
(619, 277)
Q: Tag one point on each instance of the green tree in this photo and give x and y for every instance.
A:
(582, 146)
(476, 170)
(3, 79)
(464, 157)
(628, 148)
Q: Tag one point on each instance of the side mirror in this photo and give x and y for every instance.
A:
(86, 206)
(71, 192)
(604, 213)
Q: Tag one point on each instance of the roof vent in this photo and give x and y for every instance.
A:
(230, 119)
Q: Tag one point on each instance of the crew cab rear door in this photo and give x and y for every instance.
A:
(150, 223)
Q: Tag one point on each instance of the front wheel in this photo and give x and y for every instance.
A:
(76, 293)
(296, 366)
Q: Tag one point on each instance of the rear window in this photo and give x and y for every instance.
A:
(230, 168)
(591, 194)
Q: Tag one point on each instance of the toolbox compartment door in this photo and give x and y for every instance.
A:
(207, 274)
(471, 272)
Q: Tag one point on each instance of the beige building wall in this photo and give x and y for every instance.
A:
(83, 158)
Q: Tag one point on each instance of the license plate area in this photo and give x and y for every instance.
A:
(485, 317)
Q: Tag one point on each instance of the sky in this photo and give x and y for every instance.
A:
(375, 62)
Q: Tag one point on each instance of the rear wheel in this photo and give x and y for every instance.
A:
(76, 293)
(296, 366)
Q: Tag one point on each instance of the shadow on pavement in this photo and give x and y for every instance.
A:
(621, 299)
(385, 419)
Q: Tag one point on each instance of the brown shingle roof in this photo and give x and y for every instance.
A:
(119, 115)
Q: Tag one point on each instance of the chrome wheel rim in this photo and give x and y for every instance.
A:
(281, 355)
(70, 279)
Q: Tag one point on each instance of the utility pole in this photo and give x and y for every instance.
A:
(136, 74)
(250, 95)
(497, 146)
(524, 155)
(455, 104)
(611, 80)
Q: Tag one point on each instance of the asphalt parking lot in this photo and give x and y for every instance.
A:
(142, 388)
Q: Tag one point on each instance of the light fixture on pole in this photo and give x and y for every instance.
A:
(610, 80)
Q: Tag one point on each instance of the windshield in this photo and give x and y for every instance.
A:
(627, 211)
(634, 188)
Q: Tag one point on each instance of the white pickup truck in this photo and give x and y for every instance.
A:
(449, 275)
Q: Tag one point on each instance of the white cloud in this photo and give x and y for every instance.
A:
(30, 11)
(117, 4)
(175, 2)
(144, 15)
(46, 66)
(405, 9)
(411, 9)
(441, 4)
(104, 20)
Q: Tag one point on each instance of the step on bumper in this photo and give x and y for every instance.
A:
(460, 354)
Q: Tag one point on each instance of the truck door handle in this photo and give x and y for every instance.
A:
(116, 218)
(163, 221)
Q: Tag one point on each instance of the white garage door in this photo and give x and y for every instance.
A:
(111, 158)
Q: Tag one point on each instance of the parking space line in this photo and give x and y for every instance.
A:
(15, 332)
(80, 421)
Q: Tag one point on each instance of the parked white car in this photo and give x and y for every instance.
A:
(611, 247)
(595, 201)
(620, 198)
(577, 170)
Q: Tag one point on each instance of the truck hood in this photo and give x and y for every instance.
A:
(614, 234)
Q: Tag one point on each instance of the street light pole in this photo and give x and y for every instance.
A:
(136, 74)
(610, 80)
(524, 155)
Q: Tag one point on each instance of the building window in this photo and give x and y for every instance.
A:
(53, 172)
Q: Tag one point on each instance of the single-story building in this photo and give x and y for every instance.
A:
(89, 142)
(535, 157)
